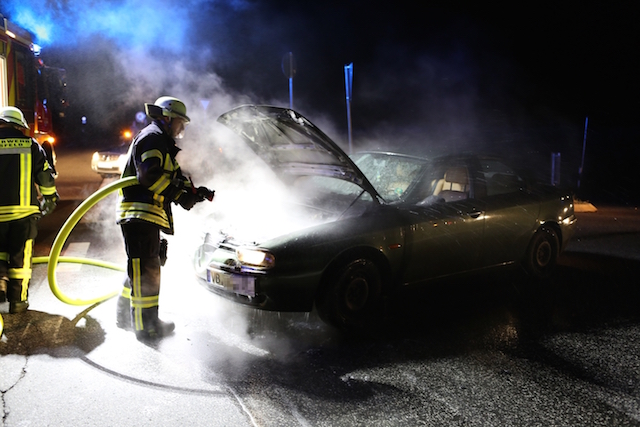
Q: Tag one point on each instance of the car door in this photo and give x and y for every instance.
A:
(445, 235)
(510, 212)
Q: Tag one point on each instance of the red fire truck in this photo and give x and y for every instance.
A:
(27, 83)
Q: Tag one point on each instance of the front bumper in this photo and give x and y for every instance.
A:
(264, 291)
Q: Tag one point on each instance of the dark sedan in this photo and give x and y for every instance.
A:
(377, 221)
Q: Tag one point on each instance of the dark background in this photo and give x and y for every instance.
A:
(517, 80)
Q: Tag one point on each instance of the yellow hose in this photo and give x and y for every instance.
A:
(64, 232)
(58, 243)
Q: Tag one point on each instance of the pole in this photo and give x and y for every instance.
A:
(584, 148)
(348, 81)
(291, 93)
(289, 70)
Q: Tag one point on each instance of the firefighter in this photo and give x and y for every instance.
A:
(144, 210)
(23, 164)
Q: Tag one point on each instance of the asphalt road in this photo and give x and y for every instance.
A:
(492, 350)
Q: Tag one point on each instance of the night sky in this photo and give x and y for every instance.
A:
(428, 76)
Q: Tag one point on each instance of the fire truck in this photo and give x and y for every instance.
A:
(27, 83)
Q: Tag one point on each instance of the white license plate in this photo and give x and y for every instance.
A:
(239, 284)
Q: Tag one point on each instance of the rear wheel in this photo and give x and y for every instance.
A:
(351, 296)
(542, 254)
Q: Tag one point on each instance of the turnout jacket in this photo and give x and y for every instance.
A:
(152, 159)
(23, 164)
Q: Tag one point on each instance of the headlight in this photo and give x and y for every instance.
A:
(256, 257)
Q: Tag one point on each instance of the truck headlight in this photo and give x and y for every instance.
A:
(256, 257)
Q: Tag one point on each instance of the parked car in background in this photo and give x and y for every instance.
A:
(110, 162)
(376, 222)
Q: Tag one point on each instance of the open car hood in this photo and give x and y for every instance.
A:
(293, 146)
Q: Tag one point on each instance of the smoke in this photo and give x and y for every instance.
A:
(138, 25)
(423, 83)
(419, 92)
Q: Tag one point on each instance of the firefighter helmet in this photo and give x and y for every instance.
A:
(167, 106)
(13, 115)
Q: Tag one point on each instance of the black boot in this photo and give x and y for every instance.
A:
(123, 313)
(3, 289)
(152, 327)
(18, 306)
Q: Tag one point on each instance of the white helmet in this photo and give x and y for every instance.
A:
(167, 106)
(13, 115)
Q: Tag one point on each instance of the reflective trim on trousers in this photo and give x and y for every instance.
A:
(139, 303)
(23, 275)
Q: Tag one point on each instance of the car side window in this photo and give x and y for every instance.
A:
(500, 178)
(443, 183)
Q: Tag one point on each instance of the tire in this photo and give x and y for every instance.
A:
(542, 254)
(351, 297)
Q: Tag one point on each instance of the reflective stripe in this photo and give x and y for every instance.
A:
(160, 185)
(144, 211)
(169, 166)
(20, 273)
(126, 292)
(145, 302)
(47, 191)
(12, 213)
(25, 179)
(151, 154)
(28, 253)
(136, 289)
(24, 274)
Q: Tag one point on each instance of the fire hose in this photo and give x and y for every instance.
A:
(60, 239)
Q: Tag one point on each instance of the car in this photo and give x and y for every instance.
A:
(110, 162)
(376, 222)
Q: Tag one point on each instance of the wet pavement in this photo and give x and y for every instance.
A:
(489, 350)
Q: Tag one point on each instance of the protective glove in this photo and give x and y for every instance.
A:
(188, 200)
(49, 203)
(204, 193)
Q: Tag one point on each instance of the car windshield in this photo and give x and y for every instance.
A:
(331, 195)
(392, 175)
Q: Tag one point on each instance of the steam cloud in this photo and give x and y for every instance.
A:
(216, 55)
(438, 83)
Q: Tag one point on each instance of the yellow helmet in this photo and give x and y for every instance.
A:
(167, 106)
(13, 115)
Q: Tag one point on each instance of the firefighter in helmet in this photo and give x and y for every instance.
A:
(23, 164)
(144, 210)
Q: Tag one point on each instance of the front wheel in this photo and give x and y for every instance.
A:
(351, 296)
(542, 254)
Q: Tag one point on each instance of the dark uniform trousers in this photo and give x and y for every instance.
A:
(16, 250)
(142, 243)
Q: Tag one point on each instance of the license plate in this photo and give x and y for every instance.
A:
(239, 284)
